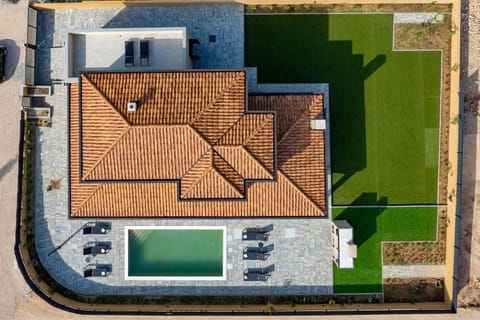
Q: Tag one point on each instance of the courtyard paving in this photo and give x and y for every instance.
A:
(301, 257)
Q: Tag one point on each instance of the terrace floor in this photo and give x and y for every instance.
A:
(219, 29)
(102, 51)
(302, 247)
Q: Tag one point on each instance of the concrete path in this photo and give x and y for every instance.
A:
(13, 34)
(469, 262)
(413, 271)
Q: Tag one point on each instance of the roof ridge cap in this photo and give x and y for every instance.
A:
(85, 76)
(306, 197)
(257, 129)
(228, 163)
(95, 165)
(289, 131)
(249, 154)
(227, 180)
(199, 135)
(91, 194)
(200, 176)
(217, 97)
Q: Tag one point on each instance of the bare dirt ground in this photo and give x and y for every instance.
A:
(469, 266)
(13, 21)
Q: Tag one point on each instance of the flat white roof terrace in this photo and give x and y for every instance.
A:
(104, 50)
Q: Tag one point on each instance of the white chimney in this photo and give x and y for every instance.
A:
(132, 106)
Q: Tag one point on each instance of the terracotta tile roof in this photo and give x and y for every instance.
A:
(301, 151)
(134, 157)
(201, 161)
(184, 128)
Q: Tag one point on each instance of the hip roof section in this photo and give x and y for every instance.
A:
(182, 117)
(191, 148)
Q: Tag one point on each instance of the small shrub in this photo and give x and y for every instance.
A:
(270, 308)
(331, 301)
(227, 300)
(55, 184)
(186, 300)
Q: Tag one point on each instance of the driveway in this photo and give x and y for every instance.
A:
(13, 34)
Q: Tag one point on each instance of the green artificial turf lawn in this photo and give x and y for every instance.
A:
(384, 105)
(370, 227)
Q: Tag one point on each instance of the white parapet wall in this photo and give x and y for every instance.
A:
(103, 50)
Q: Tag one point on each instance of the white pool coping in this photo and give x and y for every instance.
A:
(224, 249)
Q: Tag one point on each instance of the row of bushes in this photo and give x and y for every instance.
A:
(345, 7)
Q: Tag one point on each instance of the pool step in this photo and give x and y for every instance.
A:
(141, 235)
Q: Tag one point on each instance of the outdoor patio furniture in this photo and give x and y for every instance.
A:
(191, 43)
(129, 54)
(144, 53)
(96, 228)
(96, 249)
(255, 256)
(95, 273)
(260, 249)
(258, 236)
(250, 275)
(258, 229)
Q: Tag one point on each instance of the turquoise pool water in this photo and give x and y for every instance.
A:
(175, 252)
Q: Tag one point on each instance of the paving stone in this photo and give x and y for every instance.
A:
(417, 17)
(302, 261)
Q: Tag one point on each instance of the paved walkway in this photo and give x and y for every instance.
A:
(414, 271)
(13, 34)
(417, 17)
(300, 255)
(302, 247)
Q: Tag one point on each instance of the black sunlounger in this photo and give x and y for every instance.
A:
(97, 228)
(96, 249)
(256, 230)
(129, 54)
(255, 256)
(144, 52)
(95, 273)
(255, 276)
(255, 236)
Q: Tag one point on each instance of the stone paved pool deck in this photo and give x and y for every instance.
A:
(302, 247)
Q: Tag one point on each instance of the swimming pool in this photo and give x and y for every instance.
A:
(175, 253)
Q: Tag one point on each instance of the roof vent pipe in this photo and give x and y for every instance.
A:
(132, 106)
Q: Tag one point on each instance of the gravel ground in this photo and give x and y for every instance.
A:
(13, 288)
(469, 267)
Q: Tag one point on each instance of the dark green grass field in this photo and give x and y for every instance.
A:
(384, 105)
(371, 226)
